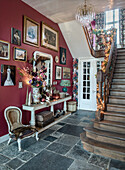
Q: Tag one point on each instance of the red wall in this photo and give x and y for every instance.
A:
(11, 15)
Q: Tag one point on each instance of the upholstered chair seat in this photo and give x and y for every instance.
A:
(17, 130)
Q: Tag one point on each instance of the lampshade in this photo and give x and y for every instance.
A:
(65, 83)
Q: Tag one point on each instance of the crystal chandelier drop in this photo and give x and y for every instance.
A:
(85, 14)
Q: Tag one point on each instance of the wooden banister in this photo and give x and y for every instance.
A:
(104, 80)
(94, 53)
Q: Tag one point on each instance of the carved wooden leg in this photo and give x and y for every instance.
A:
(19, 144)
(9, 141)
(37, 138)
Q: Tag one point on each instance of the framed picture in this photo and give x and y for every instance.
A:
(58, 72)
(31, 32)
(66, 73)
(15, 36)
(4, 50)
(8, 75)
(50, 38)
(62, 55)
(20, 54)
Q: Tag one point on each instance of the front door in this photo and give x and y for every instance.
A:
(87, 90)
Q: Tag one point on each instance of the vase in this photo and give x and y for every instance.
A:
(36, 95)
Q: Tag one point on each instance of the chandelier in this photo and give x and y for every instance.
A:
(85, 14)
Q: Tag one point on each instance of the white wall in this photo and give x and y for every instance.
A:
(75, 39)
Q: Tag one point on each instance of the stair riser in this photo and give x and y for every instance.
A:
(120, 65)
(109, 128)
(114, 118)
(104, 152)
(120, 61)
(105, 139)
(118, 80)
(119, 76)
(119, 70)
(116, 109)
(115, 93)
(116, 101)
(118, 86)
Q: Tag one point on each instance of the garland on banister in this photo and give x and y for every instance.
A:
(104, 39)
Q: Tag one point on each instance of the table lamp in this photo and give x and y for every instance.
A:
(65, 83)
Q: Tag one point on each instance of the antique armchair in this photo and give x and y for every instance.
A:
(17, 130)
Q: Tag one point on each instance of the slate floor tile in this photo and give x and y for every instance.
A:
(45, 133)
(37, 147)
(56, 134)
(68, 140)
(77, 153)
(15, 163)
(2, 145)
(82, 165)
(11, 151)
(3, 159)
(62, 124)
(25, 156)
(71, 121)
(50, 138)
(3, 167)
(116, 165)
(58, 148)
(71, 130)
(56, 127)
(48, 161)
(25, 143)
(99, 161)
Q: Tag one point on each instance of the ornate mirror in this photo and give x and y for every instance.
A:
(46, 59)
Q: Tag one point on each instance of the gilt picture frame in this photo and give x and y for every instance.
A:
(4, 50)
(31, 32)
(66, 73)
(20, 54)
(50, 37)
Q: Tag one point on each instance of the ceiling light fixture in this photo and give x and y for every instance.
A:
(85, 14)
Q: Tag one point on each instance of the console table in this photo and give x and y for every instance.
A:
(32, 108)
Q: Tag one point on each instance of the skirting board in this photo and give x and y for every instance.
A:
(4, 138)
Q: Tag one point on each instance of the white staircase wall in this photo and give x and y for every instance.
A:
(75, 38)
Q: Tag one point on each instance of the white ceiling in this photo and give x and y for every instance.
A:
(61, 11)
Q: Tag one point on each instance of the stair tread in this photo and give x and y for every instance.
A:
(117, 97)
(116, 105)
(113, 148)
(110, 123)
(106, 133)
(118, 83)
(119, 90)
(115, 113)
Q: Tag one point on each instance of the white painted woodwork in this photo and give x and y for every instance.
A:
(35, 107)
(75, 39)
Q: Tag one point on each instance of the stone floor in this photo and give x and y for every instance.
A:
(59, 148)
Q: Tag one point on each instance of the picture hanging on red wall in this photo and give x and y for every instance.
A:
(20, 54)
(58, 72)
(8, 75)
(50, 37)
(31, 32)
(15, 36)
(4, 50)
(62, 55)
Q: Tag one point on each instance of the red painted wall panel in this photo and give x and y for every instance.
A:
(11, 15)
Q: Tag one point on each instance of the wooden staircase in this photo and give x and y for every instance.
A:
(107, 137)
